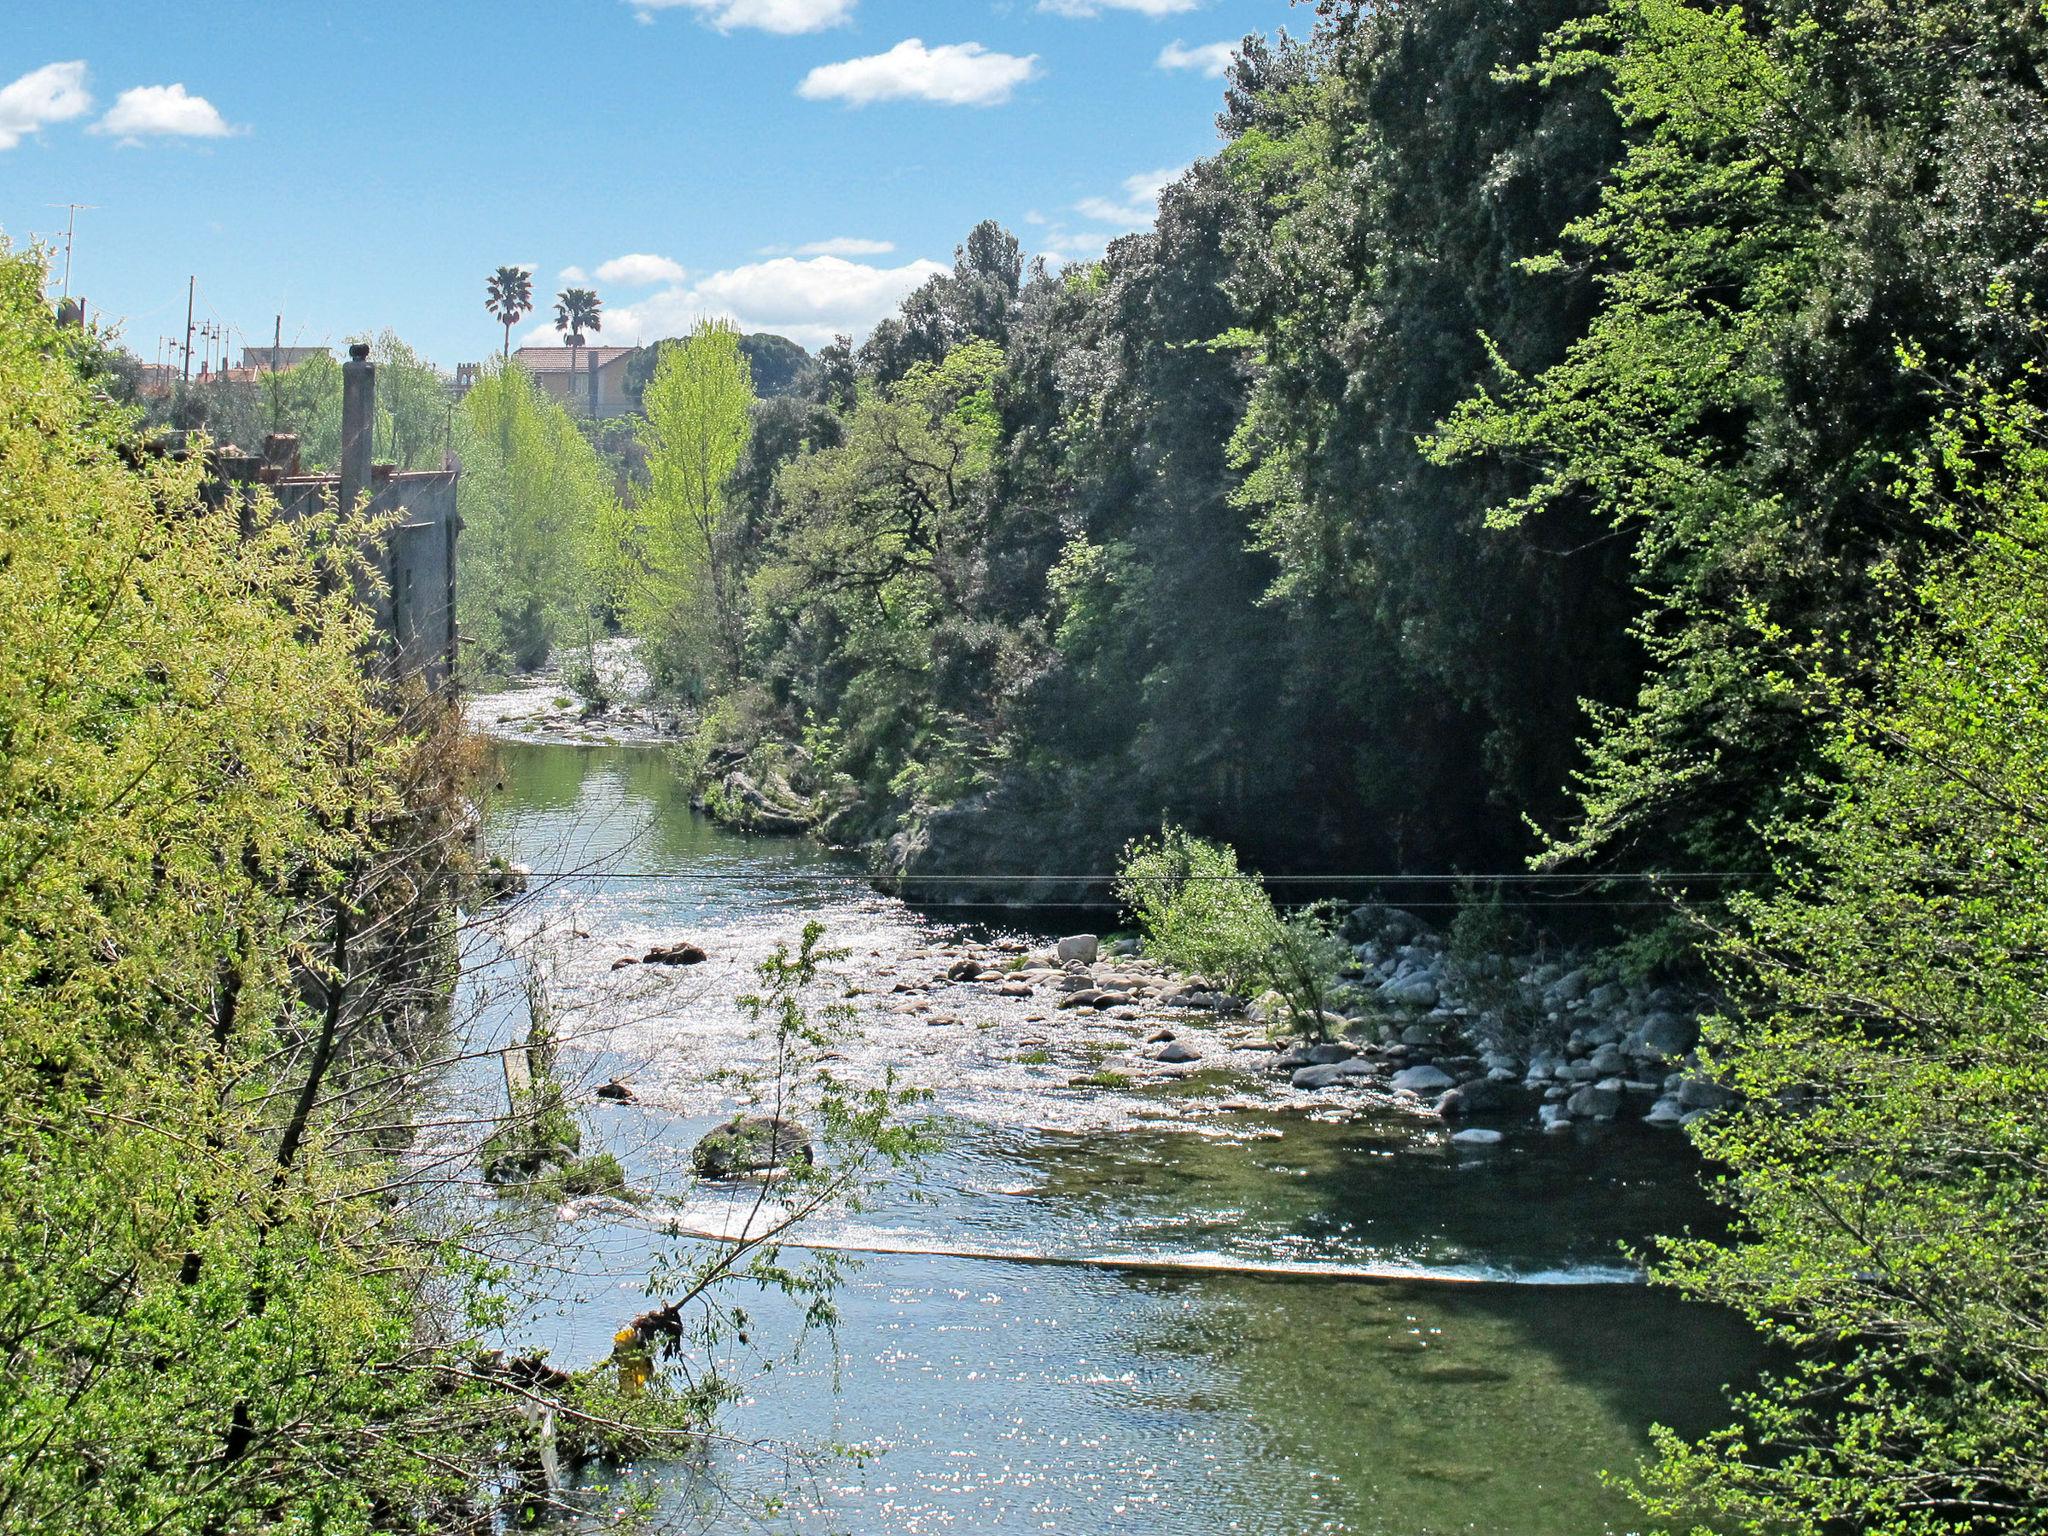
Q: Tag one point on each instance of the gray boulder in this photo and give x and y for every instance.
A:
(1667, 1111)
(1608, 1060)
(1083, 947)
(1702, 1093)
(1417, 990)
(1314, 1078)
(1596, 1101)
(1424, 1079)
(1668, 1034)
(1556, 1119)
(1174, 1052)
(1476, 1137)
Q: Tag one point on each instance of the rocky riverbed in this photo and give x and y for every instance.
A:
(1404, 1038)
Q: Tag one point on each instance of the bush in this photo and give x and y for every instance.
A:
(1201, 914)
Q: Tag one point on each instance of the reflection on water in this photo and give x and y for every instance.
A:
(1004, 1398)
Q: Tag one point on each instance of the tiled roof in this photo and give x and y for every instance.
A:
(557, 359)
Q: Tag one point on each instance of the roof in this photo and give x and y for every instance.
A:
(557, 359)
(287, 357)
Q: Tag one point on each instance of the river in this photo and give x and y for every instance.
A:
(1486, 1390)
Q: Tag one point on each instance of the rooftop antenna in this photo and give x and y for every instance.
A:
(71, 213)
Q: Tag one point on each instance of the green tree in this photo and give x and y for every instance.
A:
(1888, 1162)
(541, 543)
(1805, 188)
(508, 298)
(577, 310)
(687, 595)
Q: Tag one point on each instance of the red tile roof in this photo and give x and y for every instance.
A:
(557, 360)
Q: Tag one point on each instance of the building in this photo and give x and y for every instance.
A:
(278, 359)
(414, 613)
(587, 379)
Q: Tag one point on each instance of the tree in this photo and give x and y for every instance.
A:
(541, 539)
(577, 310)
(1804, 190)
(508, 295)
(687, 596)
(1887, 1162)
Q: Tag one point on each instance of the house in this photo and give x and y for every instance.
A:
(278, 359)
(597, 384)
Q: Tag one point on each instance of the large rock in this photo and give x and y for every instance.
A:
(1175, 1052)
(1417, 990)
(1608, 1060)
(1478, 1138)
(676, 954)
(1668, 1035)
(1422, 1080)
(751, 1144)
(1702, 1093)
(1596, 1101)
(1481, 1096)
(1083, 947)
(1337, 1073)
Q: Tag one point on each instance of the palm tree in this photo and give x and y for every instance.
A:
(577, 309)
(509, 296)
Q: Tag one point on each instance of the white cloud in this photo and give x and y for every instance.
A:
(1140, 200)
(1097, 7)
(810, 301)
(575, 275)
(953, 74)
(640, 271)
(55, 93)
(1211, 59)
(163, 111)
(788, 17)
(846, 245)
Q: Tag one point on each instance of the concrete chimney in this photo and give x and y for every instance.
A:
(358, 423)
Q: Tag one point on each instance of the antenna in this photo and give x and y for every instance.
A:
(71, 213)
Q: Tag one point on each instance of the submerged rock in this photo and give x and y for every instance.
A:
(676, 954)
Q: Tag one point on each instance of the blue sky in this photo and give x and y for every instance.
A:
(794, 164)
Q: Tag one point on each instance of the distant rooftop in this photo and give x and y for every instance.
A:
(558, 359)
(287, 357)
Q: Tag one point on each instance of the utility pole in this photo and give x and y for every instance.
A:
(71, 213)
(191, 287)
(276, 343)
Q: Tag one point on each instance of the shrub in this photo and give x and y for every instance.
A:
(1201, 914)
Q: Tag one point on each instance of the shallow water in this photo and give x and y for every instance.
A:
(1005, 1397)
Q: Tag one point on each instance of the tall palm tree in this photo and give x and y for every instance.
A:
(577, 310)
(508, 294)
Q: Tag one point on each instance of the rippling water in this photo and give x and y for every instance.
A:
(1004, 1397)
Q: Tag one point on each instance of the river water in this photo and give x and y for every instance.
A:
(1486, 1389)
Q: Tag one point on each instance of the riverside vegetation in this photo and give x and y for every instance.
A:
(1605, 433)
(239, 1289)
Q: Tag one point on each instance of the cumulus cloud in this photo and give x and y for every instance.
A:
(788, 17)
(640, 271)
(1211, 59)
(55, 93)
(575, 275)
(1140, 199)
(1097, 7)
(808, 300)
(162, 111)
(953, 74)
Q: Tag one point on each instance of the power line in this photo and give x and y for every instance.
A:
(716, 876)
